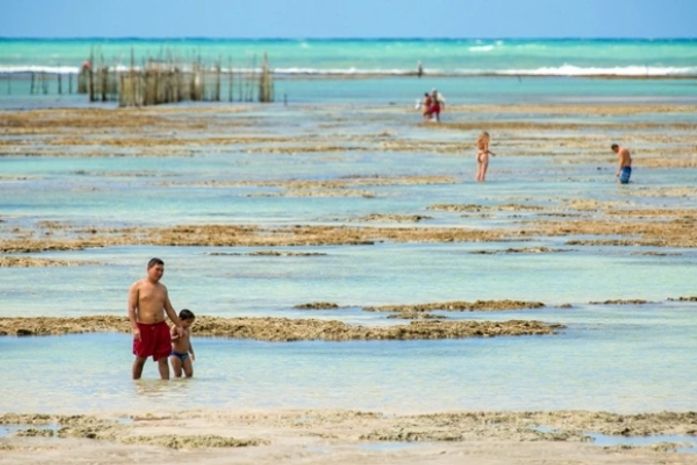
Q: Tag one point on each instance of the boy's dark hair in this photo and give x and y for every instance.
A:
(614, 146)
(186, 314)
(155, 261)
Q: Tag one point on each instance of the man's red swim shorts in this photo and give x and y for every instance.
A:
(154, 340)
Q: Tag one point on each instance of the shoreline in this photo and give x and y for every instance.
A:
(307, 436)
(605, 226)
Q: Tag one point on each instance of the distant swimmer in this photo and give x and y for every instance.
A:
(419, 69)
(624, 163)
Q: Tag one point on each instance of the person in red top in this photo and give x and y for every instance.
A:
(437, 104)
(426, 105)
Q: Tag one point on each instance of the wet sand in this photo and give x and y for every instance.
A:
(285, 329)
(317, 306)
(71, 238)
(664, 228)
(691, 298)
(521, 130)
(621, 302)
(348, 437)
(387, 218)
(27, 262)
(460, 306)
(652, 227)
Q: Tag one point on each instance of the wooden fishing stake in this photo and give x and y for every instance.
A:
(265, 82)
(90, 77)
(216, 96)
(230, 82)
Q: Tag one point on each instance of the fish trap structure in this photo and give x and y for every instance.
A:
(159, 81)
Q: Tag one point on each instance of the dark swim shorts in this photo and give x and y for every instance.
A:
(180, 355)
(625, 174)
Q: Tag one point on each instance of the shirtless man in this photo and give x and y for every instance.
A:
(624, 165)
(147, 303)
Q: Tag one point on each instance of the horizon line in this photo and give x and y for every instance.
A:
(347, 38)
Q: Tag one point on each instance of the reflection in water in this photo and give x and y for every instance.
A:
(13, 429)
(683, 443)
(172, 389)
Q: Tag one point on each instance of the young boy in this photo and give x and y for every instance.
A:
(182, 354)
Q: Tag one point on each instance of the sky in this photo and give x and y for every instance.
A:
(349, 18)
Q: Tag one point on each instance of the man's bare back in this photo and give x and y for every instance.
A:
(624, 158)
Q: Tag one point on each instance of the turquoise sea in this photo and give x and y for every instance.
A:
(626, 358)
(621, 57)
(317, 70)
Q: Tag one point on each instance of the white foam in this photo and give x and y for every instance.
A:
(481, 48)
(14, 69)
(564, 70)
(628, 71)
(344, 71)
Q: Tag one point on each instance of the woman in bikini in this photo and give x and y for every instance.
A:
(483, 153)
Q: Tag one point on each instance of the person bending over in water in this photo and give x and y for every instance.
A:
(182, 356)
(624, 163)
(483, 153)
